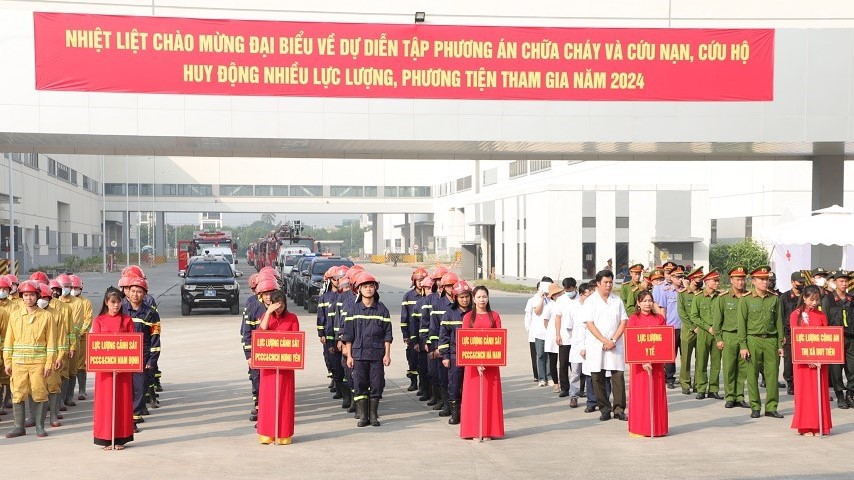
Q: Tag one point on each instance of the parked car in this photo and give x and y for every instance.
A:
(288, 256)
(290, 282)
(310, 283)
(209, 282)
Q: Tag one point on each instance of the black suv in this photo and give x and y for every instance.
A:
(209, 282)
(292, 280)
(309, 284)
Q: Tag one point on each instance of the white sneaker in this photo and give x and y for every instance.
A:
(541, 384)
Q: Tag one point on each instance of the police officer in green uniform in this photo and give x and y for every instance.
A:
(704, 313)
(726, 337)
(688, 335)
(629, 291)
(760, 337)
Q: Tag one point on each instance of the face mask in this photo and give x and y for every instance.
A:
(4, 294)
(820, 281)
(76, 292)
(42, 303)
(572, 294)
(66, 291)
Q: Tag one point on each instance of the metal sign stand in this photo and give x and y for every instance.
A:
(276, 410)
(480, 408)
(651, 406)
(820, 402)
(113, 425)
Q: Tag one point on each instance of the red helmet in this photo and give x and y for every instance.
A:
(419, 273)
(449, 278)
(253, 281)
(439, 272)
(29, 286)
(54, 284)
(461, 288)
(330, 272)
(64, 280)
(266, 283)
(357, 268)
(45, 291)
(39, 277)
(427, 282)
(364, 278)
(137, 282)
(13, 279)
(341, 272)
(76, 282)
(123, 281)
(133, 271)
(4, 282)
(270, 270)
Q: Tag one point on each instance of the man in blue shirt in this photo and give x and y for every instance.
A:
(665, 295)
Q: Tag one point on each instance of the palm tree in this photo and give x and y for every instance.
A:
(268, 218)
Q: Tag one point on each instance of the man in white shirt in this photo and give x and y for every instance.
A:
(563, 331)
(606, 318)
(535, 302)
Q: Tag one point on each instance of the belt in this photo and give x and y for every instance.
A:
(760, 335)
(730, 331)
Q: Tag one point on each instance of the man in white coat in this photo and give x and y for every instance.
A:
(605, 317)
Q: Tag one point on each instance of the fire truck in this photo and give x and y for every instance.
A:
(267, 248)
(201, 240)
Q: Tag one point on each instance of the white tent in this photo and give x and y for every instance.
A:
(827, 226)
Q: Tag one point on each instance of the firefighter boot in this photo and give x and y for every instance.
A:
(81, 385)
(446, 405)
(434, 395)
(362, 412)
(18, 414)
(413, 382)
(53, 404)
(338, 391)
(3, 390)
(30, 420)
(69, 392)
(440, 398)
(375, 403)
(41, 412)
(346, 395)
(63, 387)
(455, 413)
(425, 390)
(352, 407)
(7, 398)
(420, 386)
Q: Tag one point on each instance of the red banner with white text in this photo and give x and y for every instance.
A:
(105, 53)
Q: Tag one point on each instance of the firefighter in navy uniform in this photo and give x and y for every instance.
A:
(425, 307)
(146, 320)
(367, 337)
(441, 304)
(255, 310)
(407, 320)
(321, 318)
(421, 325)
(451, 321)
(344, 303)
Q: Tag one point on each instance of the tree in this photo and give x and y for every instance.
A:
(747, 253)
(268, 218)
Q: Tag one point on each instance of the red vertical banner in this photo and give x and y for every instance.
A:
(114, 352)
(277, 350)
(820, 345)
(107, 53)
(486, 347)
(650, 344)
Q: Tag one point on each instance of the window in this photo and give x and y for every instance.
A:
(47, 235)
(490, 177)
(29, 159)
(518, 168)
(622, 222)
(90, 185)
(588, 259)
(51, 167)
(346, 191)
(62, 172)
(588, 222)
(390, 191)
(271, 190)
(184, 190)
(74, 240)
(714, 234)
(748, 227)
(114, 188)
(236, 190)
(404, 191)
(464, 183)
(397, 243)
(85, 240)
(36, 235)
(306, 190)
(422, 191)
(72, 176)
(371, 191)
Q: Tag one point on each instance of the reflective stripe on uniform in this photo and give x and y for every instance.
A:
(368, 317)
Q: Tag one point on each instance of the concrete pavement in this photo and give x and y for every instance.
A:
(202, 429)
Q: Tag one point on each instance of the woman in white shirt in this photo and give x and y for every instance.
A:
(551, 345)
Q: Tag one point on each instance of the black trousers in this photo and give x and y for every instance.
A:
(534, 359)
(411, 361)
(553, 367)
(618, 389)
(423, 368)
(455, 380)
(368, 374)
(563, 367)
(255, 380)
(670, 368)
(141, 381)
(334, 365)
(788, 368)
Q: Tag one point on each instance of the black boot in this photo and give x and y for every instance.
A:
(426, 389)
(375, 403)
(413, 382)
(331, 384)
(339, 394)
(362, 412)
(352, 407)
(840, 401)
(446, 405)
(81, 385)
(69, 392)
(434, 395)
(41, 412)
(850, 399)
(3, 390)
(253, 414)
(18, 413)
(346, 396)
(420, 386)
(455, 413)
(440, 398)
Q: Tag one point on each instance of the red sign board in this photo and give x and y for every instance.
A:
(650, 344)
(485, 347)
(822, 345)
(106, 53)
(114, 352)
(277, 350)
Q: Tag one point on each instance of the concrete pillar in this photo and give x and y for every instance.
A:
(828, 188)
(410, 222)
(379, 236)
(160, 233)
